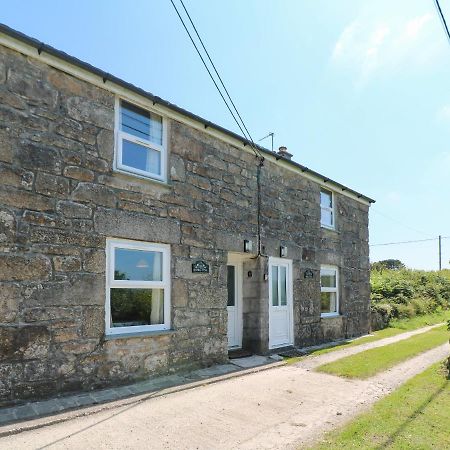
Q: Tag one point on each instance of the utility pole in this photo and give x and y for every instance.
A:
(440, 252)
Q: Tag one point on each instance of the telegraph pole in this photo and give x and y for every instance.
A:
(440, 252)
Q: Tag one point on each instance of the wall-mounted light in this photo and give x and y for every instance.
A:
(248, 246)
(283, 251)
(142, 264)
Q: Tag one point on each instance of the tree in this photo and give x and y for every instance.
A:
(388, 264)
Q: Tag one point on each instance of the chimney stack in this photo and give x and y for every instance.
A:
(283, 152)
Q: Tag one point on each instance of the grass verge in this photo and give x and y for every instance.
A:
(415, 416)
(397, 327)
(370, 362)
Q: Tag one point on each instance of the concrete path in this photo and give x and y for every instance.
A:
(280, 408)
(126, 394)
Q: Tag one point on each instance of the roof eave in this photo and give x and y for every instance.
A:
(42, 47)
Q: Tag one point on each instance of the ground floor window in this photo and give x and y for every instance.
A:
(137, 286)
(329, 291)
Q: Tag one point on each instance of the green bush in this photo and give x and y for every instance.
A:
(405, 311)
(421, 306)
(404, 293)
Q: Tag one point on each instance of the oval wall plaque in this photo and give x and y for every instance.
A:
(309, 273)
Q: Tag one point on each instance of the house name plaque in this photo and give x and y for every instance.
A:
(309, 273)
(200, 267)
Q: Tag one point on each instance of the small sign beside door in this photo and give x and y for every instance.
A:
(308, 273)
(200, 267)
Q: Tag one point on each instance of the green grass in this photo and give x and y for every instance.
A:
(396, 327)
(420, 321)
(415, 416)
(370, 362)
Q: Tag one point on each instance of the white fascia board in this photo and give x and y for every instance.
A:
(96, 80)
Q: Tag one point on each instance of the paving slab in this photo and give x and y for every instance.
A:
(252, 361)
(35, 410)
(281, 408)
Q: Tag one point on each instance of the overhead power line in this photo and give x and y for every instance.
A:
(409, 242)
(399, 222)
(442, 17)
(218, 75)
(240, 123)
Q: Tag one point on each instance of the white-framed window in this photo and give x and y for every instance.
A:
(329, 291)
(140, 141)
(137, 287)
(326, 208)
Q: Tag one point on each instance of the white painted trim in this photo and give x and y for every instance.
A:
(165, 284)
(133, 97)
(331, 270)
(289, 293)
(238, 271)
(120, 135)
(332, 210)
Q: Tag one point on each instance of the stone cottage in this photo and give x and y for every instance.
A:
(137, 238)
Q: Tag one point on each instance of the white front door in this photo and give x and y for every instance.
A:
(280, 303)
(234, 305)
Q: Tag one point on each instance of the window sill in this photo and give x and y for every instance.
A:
(326, 227)
(162, 183)
(330, 315)
(137, 334)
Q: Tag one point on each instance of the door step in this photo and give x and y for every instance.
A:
(239, 353)
(291, 352)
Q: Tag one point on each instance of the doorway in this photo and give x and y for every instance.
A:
(281, 330)
(234, 303)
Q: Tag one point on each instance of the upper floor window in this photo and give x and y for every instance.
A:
(329, 291)
(326, 208)
(140, 142)
(137, 287)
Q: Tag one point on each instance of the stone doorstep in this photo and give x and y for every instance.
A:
(47, 412)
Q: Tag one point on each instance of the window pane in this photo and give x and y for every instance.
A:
(141, 123)
(326, 199)
(137, 265)
(328, 280)
(283, 296)
(326, 217)
(333, 305)
(328, 302)
(231, 286)
(134, 307)
(141, 157)
(275, 285)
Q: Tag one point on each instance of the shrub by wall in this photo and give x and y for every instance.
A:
(406, 293)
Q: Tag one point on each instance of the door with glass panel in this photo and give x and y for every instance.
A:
(234, 305)
(280, 303)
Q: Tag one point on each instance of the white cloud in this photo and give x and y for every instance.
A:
(443, 115)
(414, 27)
(345, 40)
(368, 45)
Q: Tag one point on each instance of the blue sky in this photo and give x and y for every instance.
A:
(358, 90)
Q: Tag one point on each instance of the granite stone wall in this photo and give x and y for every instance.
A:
(60, 199)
